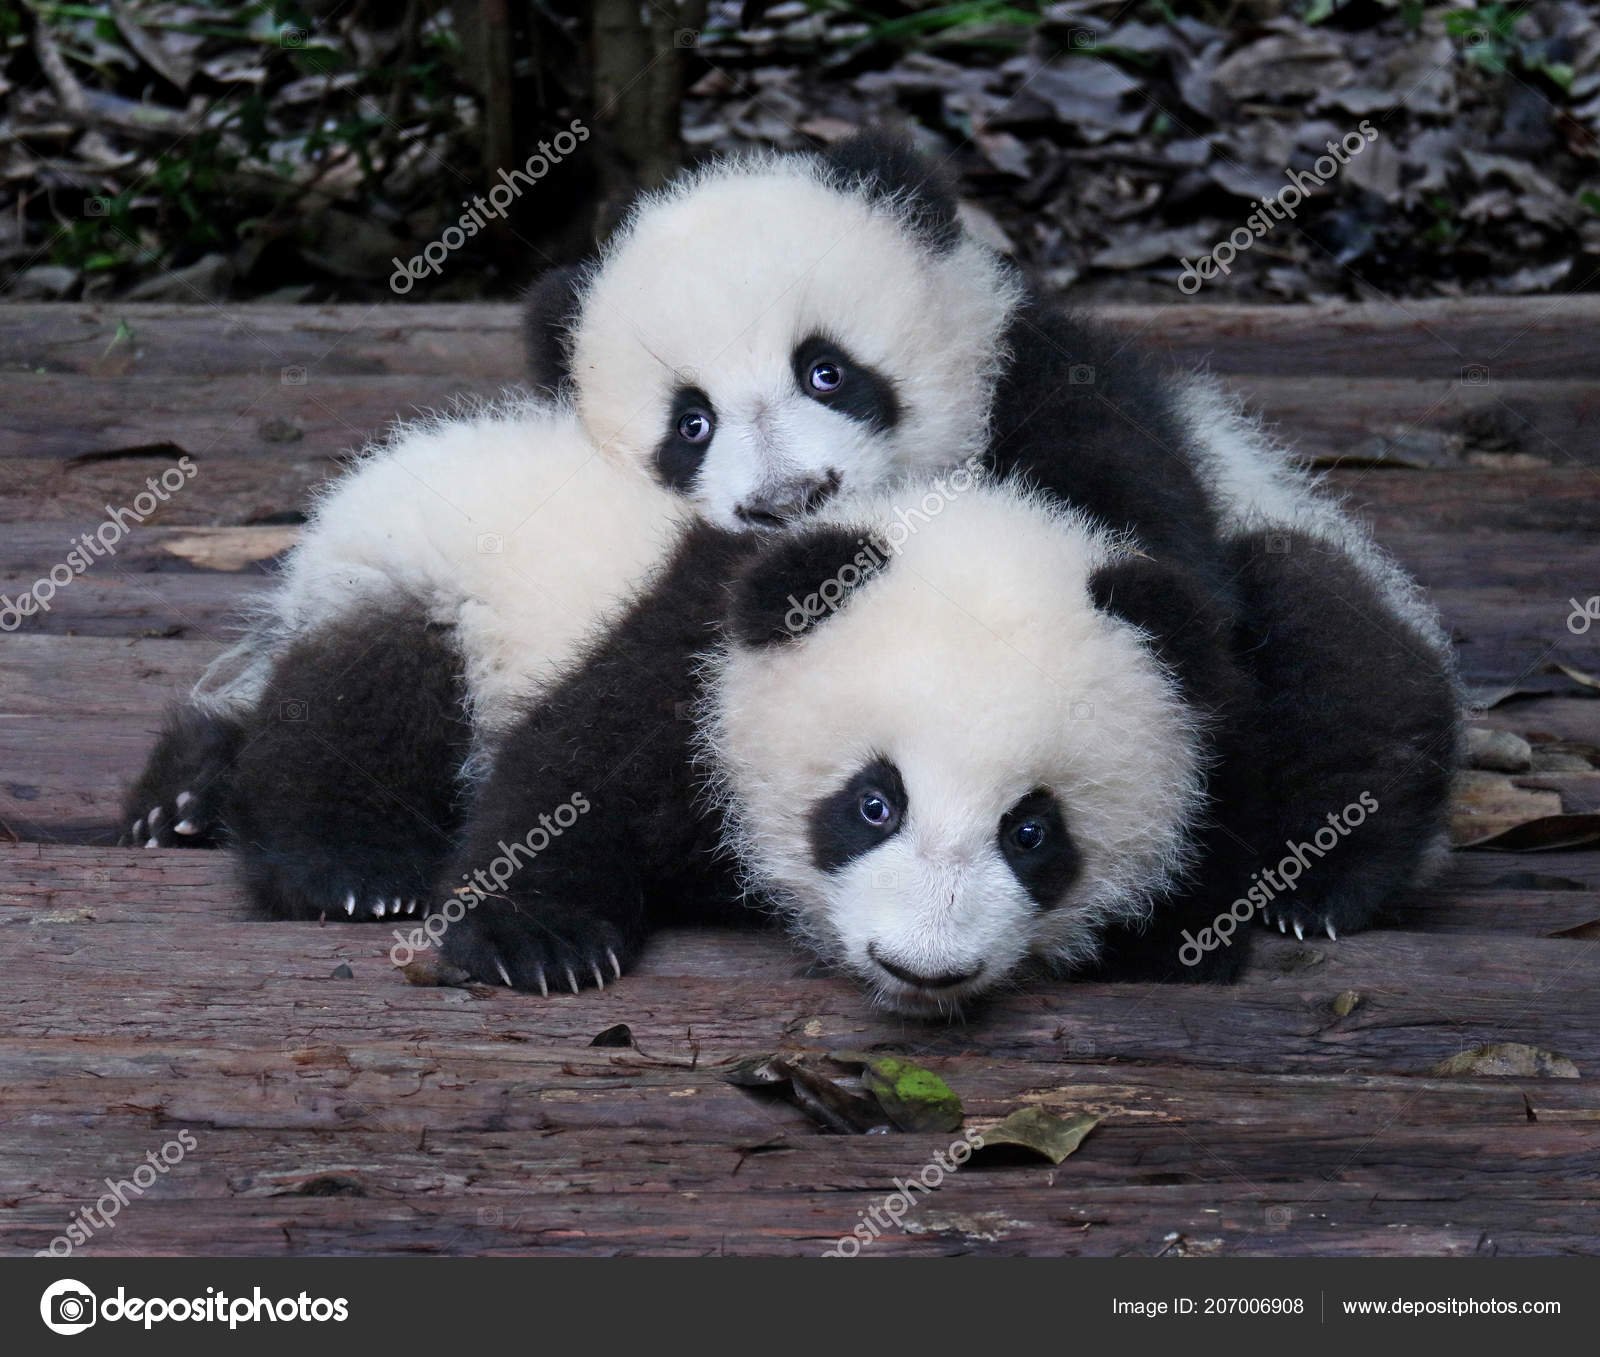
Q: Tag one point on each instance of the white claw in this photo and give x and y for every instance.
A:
(1299, 932)
(184, 798)
(1329, 926)
(350, 904)
(1282, 928)
(599, 980)
(397, 906)
(411, 906)
(616, 965)
(154, 816)
(572, 980)
(152, 843)
(186, 827)
(504, 973)
(378, 908)
(544, 989)
(137, 832)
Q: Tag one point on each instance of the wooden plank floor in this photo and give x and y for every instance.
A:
(362, 1115)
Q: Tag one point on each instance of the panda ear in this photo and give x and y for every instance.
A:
(797, 581)
(549, 313)
(889, 168)
(1190, 630)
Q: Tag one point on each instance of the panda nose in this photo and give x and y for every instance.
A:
(777, 505)
(947, 980)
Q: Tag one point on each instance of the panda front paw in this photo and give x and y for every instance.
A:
(186, 821)
(339, 884)
(1287, 922)
(177, 801)
(535, 946)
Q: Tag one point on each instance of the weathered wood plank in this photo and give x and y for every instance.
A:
(1537, 338)
(64, 416)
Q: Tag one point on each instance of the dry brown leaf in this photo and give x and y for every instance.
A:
(1509, 1058)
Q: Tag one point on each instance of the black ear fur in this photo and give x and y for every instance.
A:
(799, 580)
(549, 311)
(891, 167)
(1191, 631)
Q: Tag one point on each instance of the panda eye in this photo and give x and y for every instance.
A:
(694, 426)
(875, 809)
(1028, 835)
(825, 377)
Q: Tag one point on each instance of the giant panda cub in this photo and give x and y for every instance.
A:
(768, 333)
(441, 582)
(944, 745)
(1005, 738)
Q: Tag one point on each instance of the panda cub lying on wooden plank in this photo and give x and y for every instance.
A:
(827, 393)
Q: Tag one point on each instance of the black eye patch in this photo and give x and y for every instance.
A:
(691, 425)
(830, 375)
(1034, 841)
(868, 810)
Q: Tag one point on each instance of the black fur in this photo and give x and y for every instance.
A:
(838, 832)
(678, 461)
(346, 778)
(1192, 634)
(616, 732)
(1353, 703)
(1049, 867)
(864, 394)
(548, 314)
(781, 595)
(194, 754)
(1092, 422)
(889, 167)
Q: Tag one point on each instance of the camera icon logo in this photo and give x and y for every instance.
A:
(292, 37)
(68, 1307)
(291, 376)
(293, 710)
(96, 207)
(1475, 374)
(491, 543)
(1080, 374)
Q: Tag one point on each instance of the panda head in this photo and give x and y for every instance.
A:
(951, 749)
(768, 333)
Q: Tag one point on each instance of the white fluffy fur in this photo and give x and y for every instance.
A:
(979, 665)
(1256, 484)
(503, 524)
(715, 279)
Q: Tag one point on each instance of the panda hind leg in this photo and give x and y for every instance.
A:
(1360, 719)
(345, 799)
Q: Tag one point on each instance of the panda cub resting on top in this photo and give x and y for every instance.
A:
(1184, 470)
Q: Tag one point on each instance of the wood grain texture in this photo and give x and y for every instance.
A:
(363, 1115)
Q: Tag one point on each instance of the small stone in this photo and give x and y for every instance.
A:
(1498, 751)
(44, 283)
(343, 972)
